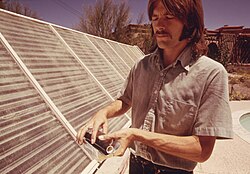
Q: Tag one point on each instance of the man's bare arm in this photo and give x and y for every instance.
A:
(194, 148)
(116, 108)
(100, 119)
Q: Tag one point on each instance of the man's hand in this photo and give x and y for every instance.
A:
(124, 137)
(97, 122)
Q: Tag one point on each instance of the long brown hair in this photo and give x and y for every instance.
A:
(190, 12)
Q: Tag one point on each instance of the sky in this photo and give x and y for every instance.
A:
(67, 12)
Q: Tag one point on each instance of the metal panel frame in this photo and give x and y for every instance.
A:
(127, 49)
(104, 57)
(80, 62)
(85, 67)
(41, 92)
(106, 40)
(139, 49)
(132, 60)
(94, 164)
(138, 54)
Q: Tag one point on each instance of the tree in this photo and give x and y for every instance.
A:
(16, 7)
(2, 4)
(122, 20)
(224, 53)
(105, 19)
(141, 18)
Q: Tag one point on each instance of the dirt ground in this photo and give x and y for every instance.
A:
(239, 82)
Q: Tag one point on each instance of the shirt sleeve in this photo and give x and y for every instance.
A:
(214, 114)
(125, 94)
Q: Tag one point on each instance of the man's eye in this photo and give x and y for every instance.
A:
(169, 16)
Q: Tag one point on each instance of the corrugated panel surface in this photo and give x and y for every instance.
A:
(65, 81)
(96, 63)
(32, 140)
(111, 55)
(122, 53)
(129, 52)
(138, 52)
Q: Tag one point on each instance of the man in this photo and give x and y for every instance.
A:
(178, 96)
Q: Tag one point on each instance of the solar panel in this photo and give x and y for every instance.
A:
(68, 85)
(105, 73)
(122, 53)
(31, 138)
(71, 76)
(120, 65)
(137, 51)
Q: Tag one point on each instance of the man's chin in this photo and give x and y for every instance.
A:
(163, 45)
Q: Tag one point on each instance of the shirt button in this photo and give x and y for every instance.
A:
(155, 92)
(161, 74)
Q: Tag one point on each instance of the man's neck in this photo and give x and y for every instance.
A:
(170, 54)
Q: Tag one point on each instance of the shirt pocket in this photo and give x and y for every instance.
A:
(175, 117)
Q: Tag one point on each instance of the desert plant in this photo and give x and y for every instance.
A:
(236, 95)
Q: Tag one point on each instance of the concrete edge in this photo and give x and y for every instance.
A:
(238, 128)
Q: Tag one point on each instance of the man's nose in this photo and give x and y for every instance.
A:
(161, 24)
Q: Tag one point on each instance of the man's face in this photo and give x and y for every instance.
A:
(167, 28)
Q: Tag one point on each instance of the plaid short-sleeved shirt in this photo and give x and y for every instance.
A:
(189, 97)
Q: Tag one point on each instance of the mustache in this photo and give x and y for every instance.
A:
(161, 32)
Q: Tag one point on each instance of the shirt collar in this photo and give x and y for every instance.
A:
(184, 58)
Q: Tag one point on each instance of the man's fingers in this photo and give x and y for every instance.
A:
(96, 127)
(105, 128)
(107, 136)
(80, 135)
(93, 136)
(102, 137)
